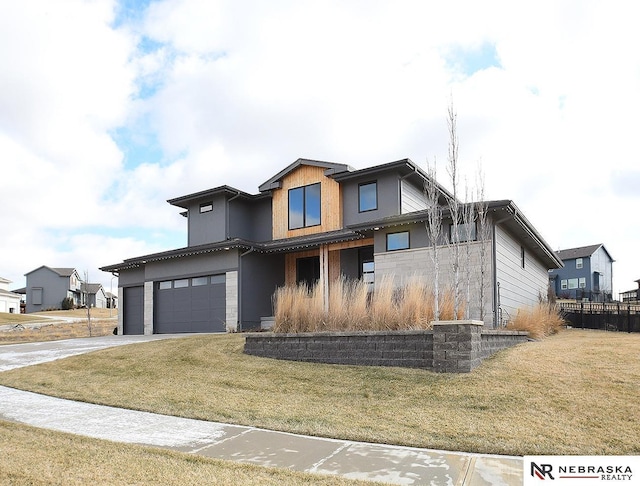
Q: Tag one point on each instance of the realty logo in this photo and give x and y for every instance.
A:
(541, 471)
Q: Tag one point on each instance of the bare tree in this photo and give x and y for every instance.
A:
(469, 226)
(87, 299)
(484, 235)
(454, 205)
(434, 229)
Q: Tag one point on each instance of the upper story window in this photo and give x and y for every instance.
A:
(578, 263)
(206, 207)
(466, 232)
(304, 206)
(398, 241)
(367, 196)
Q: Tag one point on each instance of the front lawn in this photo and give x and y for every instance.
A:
(38, 457)
(573, 393)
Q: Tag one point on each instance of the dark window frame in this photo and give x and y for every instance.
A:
(305, 216)
(360, 186)
(399, 248)
(463, 233)
(206, 207)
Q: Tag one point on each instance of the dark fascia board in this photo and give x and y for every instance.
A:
(178, 253)
(406, 167)
(183, 201)
(514, 219)
(309, 241)
(275, 182)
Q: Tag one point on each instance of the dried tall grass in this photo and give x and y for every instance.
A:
(353, 307)
(540, 321)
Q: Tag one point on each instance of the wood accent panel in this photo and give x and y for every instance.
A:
(290, 264)
(330, 197)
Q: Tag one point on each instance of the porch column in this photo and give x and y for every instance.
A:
(324, 276)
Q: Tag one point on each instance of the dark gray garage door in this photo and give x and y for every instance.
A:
(190, 305)
(133, 310)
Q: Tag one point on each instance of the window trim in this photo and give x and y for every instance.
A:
(304, 206)
(398, 233)
(206, 207)
(360, 186)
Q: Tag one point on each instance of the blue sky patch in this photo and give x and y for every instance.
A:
(470, 60)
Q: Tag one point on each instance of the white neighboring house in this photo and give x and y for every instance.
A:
(9, 301)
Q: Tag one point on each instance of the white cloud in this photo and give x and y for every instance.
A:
(234, 91)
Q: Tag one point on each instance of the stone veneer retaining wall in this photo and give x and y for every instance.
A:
(452, 346)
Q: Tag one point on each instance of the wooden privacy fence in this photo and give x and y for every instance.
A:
(612, 316)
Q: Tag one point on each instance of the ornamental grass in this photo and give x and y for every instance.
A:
(354, 306)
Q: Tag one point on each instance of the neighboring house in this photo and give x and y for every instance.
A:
(94, 295)
(9, 301)
(47, 287)
(587, 274)
(631, 296)
(313, 222)
(112, 301)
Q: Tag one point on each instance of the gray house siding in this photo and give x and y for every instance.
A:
(259, 275)
(50, 287)
(388, 196)
(412, 198)
(250, 220)
(405, 265)
(209, 226)
(519, 287)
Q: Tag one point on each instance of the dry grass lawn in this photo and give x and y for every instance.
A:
(35, 327)
(573, 393)
(38, 457)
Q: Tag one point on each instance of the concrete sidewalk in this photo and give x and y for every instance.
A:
(392, 464)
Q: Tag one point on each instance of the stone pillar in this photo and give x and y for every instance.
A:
(457, 346)
(148, 308)
(231, 296)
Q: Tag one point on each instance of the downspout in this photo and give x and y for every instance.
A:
(240, 293)
(227, 210)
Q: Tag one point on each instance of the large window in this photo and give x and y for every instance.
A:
(398, 241)
(304, 206)
(367, 196)
(308, 271)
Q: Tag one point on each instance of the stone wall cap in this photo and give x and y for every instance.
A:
(403, 332)
(459, 321)
(504, 332)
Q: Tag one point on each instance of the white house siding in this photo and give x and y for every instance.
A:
(519, 287)
(411, 198)
(405, 265)
(600, 263)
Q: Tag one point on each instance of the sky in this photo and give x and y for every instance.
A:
(109, 108)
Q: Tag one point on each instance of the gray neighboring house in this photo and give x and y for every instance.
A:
(9, 301)
(47, 287)
(587, 274)
(313, 222)
(95, 296)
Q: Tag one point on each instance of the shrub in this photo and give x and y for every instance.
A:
(67, 303)
(540, 321)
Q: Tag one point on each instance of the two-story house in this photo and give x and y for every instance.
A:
(587, 274)
(313, 222)
(47, 287)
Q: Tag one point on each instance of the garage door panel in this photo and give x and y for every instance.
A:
(196, 308)
(133, 310)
